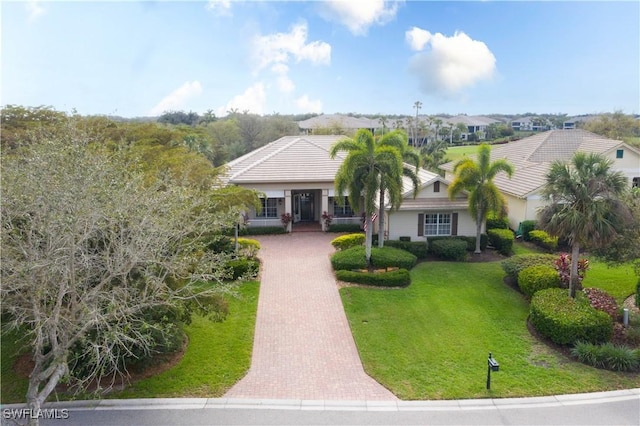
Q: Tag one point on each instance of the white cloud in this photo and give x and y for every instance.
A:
(451, 64)
(176, 99)
(220, 7)
(306, 105)
(285, 84)
(359, 15)
(253, 100)
(34, 10)
(282, 47)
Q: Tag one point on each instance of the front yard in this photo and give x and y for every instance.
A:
(431, 340)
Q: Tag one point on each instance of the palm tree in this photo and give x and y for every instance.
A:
(433, 154)
(398, 140)
(476, 177)
(585, 204)
(361, 171)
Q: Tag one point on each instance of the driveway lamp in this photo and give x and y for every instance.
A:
(492, 365)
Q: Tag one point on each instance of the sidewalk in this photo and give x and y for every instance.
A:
(303, 347)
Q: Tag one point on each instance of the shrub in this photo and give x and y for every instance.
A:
(608, 356)
(566, 320)
(526, 227)
(451, 249)
(497, 223)
(243, 268)
(502, 240)
(386, 257)
(344, 227)
(344, 242)
(262, 230)
(248, 247)
(219, 243)
(602, 301)
(536, 278)
(416, 248)
(544, 240)
(396, 278)
(349, 259)
(638, 294)
(471, 241)
(513, 265)
(563, 266)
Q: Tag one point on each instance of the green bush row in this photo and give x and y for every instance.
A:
(536, 278)
(607, 356)
(501, 240)
(262, 230)
(416, 248)
(544, 240)
(566, 321)
(396, 278)
(344, 227)
(497, 223)
(471, 241)
(354, 258)
(451, 249)
(344, 242)
(526, 227)
(513, 265)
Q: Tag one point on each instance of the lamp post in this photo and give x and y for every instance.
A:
(492, 365)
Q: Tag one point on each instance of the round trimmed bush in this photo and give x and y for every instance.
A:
(397, 278)
(450, 249)
(536, 278)
(349, 259)
(416, 248)
(386, 257)
(502, 240)
(344, 242)
(566, 321)
(513, 265)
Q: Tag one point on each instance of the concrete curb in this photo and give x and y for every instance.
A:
(344, 405)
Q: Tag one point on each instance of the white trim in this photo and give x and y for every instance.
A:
(274, 193)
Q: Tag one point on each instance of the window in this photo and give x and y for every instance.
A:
(620, 153)
(342, 211)
(269, 208)
(437, 224)
(635, 183)
(436, 186)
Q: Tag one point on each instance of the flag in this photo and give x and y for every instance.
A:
(373, 219)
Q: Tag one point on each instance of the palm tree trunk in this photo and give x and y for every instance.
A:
(367, 240)
(573, 275)
(381, 217)
(478, 231)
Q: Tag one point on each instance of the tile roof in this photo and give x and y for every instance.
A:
(343, 121)
(533, 156)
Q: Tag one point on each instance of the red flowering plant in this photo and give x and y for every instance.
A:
(327, 219)
(285, 218)
(563, 266)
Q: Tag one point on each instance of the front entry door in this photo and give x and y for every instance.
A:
(303, 207)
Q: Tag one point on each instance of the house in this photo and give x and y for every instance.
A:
(475, 124)
(338, 124)
(296, 175)
(532, 158)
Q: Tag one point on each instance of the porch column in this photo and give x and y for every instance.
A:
(325, 206)
(287, 207)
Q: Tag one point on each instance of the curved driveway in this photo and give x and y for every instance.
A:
(303, 347)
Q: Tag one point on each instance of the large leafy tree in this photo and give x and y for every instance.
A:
(360, 174)
(585, 205)
(392, 192)
(90, 245)
(476, 177)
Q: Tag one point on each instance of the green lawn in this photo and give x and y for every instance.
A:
(218, 355)
(431, 340)
(457, 152)
(620, 282)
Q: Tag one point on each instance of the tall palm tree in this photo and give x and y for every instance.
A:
(433, 154)
(476, 177)
(361, 171)
(585, 204)
(398, 140)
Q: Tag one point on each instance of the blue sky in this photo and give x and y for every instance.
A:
(368, 56)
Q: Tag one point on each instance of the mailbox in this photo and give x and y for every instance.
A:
(493, 364)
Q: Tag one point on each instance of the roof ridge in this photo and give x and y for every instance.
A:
(265, 158)
(321, 147)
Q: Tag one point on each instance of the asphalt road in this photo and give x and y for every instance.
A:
(602, 408)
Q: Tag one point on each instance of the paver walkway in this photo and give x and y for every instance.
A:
(303, 347)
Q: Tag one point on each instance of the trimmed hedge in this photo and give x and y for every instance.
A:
(262, 230)
(607, 356)
(536, 278)
(417, 248)
(248, 247)
(566, 321)
(471, 241)
(497, 223)
(396, 278)
(344, 242)
(513, 265)
(354, 258)
(344, 227)
(544, 240)
(502, 240)
(451, 249)
(526, 227)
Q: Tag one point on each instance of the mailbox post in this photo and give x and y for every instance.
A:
(492, 365)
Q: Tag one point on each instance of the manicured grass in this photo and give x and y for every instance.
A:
(13, 387)
(431, 340)
(455, 153)
(218, 355)
(620, 282)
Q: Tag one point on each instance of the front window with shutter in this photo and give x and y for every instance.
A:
(437, 224)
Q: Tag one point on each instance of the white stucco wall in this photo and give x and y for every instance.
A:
(405, 224)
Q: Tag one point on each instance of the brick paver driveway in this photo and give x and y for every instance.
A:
(303, 346)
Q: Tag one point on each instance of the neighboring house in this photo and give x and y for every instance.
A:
(296, 176)
(475, 124)
(532, 158)
(522, 124)
(338, 123)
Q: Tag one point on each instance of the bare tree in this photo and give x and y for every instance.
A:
(89, 243)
